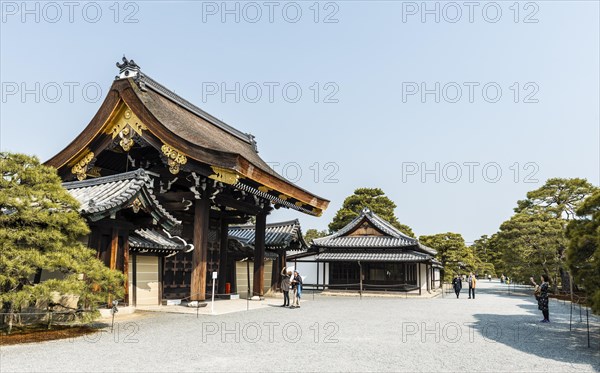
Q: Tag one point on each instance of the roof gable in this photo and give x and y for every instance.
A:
(138, 109)
(103, 196)
(370, 231)
(282, 235)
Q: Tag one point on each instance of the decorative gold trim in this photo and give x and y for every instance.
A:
(124, 123)
(283, 197)
(136, 205)
(264, 189)
(80, 168)
(299, 204)
(175, 159)
(125, 117)
(224, 175)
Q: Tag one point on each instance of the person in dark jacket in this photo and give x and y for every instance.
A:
(296, 289)
(457, 285)
(285, 286)
(542, 296)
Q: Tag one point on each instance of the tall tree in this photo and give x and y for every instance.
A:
(532, 243)
(311, 234)
(454, 255)
(485, 256)
(560, 198)
(583, 253)
(373, 198)
(40, 227)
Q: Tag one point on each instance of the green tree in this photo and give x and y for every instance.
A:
(311, 234)
(532, 243)
(485, 256)
(373, 198)
(583, 253)
(560, 198)
(39, 228)
(454, 255)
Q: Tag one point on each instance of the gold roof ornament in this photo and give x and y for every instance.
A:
(224, 175)
(175, 159)
(80, 168)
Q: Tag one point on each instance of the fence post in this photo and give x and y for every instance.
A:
(587, 316)
(571, 317)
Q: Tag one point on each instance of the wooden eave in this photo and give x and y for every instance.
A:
(96, 137)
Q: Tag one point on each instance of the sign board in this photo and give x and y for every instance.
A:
(214, 276)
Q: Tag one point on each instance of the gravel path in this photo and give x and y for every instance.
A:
(494, 333)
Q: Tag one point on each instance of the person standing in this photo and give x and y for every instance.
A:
(285, 286)
(296, 290)
(472, 284)
(542, 296)
(457, 285)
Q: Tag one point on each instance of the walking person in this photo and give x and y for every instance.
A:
(542, 296)
(457, 285)
(285, 286)
(472, 284)
(296, 290)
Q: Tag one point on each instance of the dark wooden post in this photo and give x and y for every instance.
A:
(200, 253)
(419, 274)
(427, 276)
(126, 266)
(259, 254)
(276, 272)
(114, 248)
(223, 255)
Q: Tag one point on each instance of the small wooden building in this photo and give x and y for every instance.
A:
(370, 254)
(205, 176)
(281, 239)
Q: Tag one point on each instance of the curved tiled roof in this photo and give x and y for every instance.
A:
(100, 197)
(277, 235)
(153, 240)
(391, 238)
(375, 256)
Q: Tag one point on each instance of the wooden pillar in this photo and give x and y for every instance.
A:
(427, 277)
(223, 256)
(278, 264)
(126, 267)
(134, 275)
(419, 274)
(114, 248)
(259, 254)
(200, 253)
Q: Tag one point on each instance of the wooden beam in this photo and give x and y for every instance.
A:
(244, 207)
(223, 255)
(200, 253)
(259, 254)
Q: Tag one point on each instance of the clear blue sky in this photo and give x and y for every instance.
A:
(375, 134)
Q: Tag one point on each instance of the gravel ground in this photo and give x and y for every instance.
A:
(494, 333)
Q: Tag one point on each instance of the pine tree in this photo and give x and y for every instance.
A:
(40, 228)
(376, 200)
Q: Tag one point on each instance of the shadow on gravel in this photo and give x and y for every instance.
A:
(551, 341)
